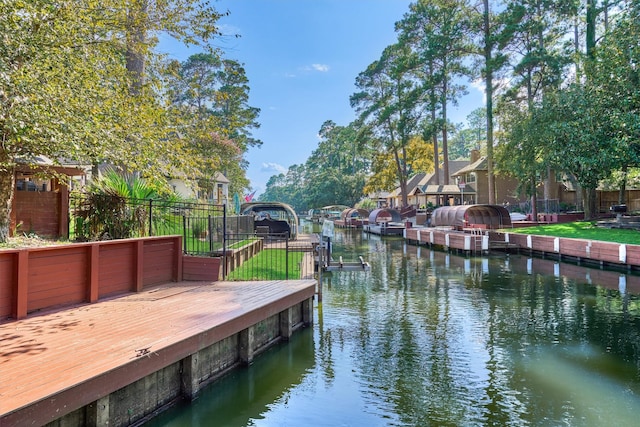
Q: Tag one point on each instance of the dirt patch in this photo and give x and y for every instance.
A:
(19, 242)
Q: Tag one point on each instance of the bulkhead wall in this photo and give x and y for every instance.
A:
(148, 396)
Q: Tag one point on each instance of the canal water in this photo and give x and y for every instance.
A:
(428, 338)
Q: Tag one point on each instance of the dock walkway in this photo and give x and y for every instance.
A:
(58, 362)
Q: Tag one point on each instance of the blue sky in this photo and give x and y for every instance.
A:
(302, 58)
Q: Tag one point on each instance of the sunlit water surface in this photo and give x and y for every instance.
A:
(434, 339)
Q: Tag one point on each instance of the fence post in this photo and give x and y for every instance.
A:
(286, 258)
(184, 232)
(150, 217)
(224, 241)
(210, 233)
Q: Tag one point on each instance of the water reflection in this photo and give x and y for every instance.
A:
(431, 338)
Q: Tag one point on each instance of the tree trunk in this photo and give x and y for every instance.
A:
(534, 200)
(136, 43)
(445, 144)
(489, 90)
(623, 186)
(7, 185)
(590, 205)
(436, 156)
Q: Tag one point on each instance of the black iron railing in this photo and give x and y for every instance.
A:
(258, 256)
(206, 230)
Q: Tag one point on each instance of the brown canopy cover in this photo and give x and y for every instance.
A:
(493, 216)
(384, 215)
(352, 213)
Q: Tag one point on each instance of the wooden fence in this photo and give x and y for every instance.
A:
(34, 279)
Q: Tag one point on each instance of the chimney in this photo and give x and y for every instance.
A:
(475, 155)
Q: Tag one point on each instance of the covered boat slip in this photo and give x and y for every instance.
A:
(471, 216)
(272, 218)
(120, 359)
(352, 218)
(385, 222)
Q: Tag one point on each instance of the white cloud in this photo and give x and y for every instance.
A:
(322, 68)
(273, 167)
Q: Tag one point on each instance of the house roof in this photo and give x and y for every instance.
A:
(447, 189)
(219, 177)
(419, 183)
(42, 164)
(478, 165)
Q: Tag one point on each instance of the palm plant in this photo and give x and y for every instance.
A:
(116, 207)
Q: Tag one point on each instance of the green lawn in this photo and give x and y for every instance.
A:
(582, 230)
(269, 264)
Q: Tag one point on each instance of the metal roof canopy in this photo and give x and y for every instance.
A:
(384, 215)
(276, 208)
(493, 216)
(354, 213)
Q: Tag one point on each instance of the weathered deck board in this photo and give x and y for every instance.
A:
(44, 354)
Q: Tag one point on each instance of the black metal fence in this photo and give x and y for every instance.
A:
(102, 217)
(206, 230)
(260, 257)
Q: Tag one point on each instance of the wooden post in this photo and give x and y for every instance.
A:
(63, 224)
(93, 292)
(139, 265)
(307, 311)
(286, 323)
(177, 253)
(190, 382)
(98, 413)
(246, 345)
(21, 290)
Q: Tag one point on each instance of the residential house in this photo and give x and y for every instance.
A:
(476, 182)
(424, 188)
(216, 191)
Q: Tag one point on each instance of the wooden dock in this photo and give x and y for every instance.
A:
(72, 362)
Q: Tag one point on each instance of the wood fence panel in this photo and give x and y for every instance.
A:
(201, 268)
(57, 276)
(115, 268)
(37, 212)
(158, 259)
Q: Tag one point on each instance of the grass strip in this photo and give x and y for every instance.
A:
(269, 264)
(587, 230)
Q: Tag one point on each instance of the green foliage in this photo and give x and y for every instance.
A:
(334, 174)
(208, 97)
(116, 207)
(367, 204)
(76, 84)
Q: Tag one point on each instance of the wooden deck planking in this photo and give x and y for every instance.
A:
(43, 354)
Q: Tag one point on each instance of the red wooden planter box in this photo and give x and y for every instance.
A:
(201, 268)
